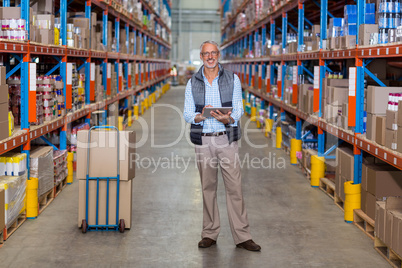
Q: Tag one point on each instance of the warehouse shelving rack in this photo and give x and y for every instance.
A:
(153, 73)
(246, 68)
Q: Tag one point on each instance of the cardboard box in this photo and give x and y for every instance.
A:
(315, 43)
(103, 153)
(348, 41)
(384, 181)
(315, 29)
(2, 208)
(125, 202)
(370, 204)
(41, 167)
(47, 36)
(44, 6)
(346, 160)
(364, 201)
(3, 72)
(4, 130)
(364, 176)
(338, 82)
(391, 139)
(339, 95)
(10, 12)
(393, 205)
(391, 121)
(379, 227)
(371, 126)
(399, 139)
(338, 42)
(397, 232)
(3, 94)
(377, 98)
(49, 18)
(399, 116)
(364, 33)
(3, 111)
(380, 130)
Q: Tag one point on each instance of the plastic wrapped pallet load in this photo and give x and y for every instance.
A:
(14, 196)
(41, 167)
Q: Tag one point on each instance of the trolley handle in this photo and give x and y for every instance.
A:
(118, 146)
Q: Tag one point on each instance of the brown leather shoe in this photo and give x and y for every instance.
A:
(206, 242)
(249, 245)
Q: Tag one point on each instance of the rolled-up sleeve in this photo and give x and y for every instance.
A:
(237, 101)
(189, 106)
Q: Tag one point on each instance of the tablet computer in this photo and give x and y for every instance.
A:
(208, 110)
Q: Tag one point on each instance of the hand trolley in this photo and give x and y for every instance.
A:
(119, 225)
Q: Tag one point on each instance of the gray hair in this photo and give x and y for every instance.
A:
(210, 42)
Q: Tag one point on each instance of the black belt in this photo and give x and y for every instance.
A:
(214, 133)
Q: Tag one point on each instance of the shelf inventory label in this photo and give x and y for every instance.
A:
(69, 73)
(32, 77)
(268, 74)
(69, 82)
(109, 70)
(136, 68)
(120, 69)
(260, 70)
(280, 73)
(352, 81)
(129, 68)
(295, 75)
(316, 76)
(92, 71)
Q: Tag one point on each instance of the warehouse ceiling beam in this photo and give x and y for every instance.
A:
(317, 4)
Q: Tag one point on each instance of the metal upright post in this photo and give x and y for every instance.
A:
(300, 26)
(88, 94)
(116, 63)
(104, 42)
(63, 67)
(357, 99)
(283, 64)
(272, 32)
(6, 3)
(28, 97)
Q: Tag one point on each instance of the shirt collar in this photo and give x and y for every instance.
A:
(202, 69)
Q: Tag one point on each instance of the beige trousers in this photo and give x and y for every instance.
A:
(215, 152)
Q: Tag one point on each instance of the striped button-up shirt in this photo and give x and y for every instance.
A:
(212, 97)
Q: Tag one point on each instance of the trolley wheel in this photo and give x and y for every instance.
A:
(84, 226)
(122, 226)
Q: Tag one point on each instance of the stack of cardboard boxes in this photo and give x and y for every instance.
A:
(306, 98)
(41, 167)
(379, 181)
(335, 100)
(100, 165)
(377, 105)
(4, 105)
(344, 170)
(388, 223)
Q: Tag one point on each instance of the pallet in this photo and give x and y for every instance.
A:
(338, 202)
(7, 232)
(364, 222)
(394, 259)
(328, 187)
(45, 200)
(60, 186)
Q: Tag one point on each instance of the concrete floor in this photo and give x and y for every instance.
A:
(296, 225)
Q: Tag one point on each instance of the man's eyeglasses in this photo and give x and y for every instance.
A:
(207, 54)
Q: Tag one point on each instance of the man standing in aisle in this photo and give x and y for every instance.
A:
(215, 140)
